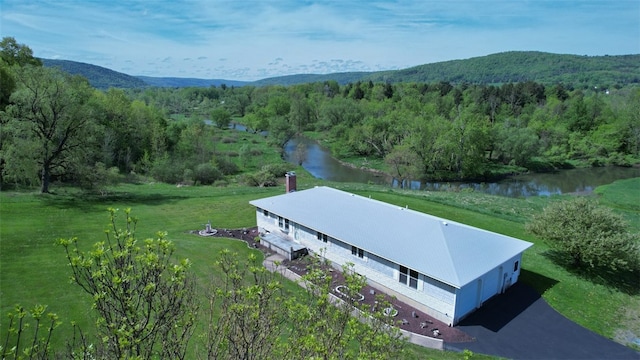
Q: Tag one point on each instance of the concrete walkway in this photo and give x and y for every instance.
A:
(269, 261)
(426, 341)
(521, 325)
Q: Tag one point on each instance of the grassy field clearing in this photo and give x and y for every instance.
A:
(34, 271)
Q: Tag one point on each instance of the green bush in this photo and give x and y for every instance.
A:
(188, 176)
(206, 174)
(262, 178)
(168, 171)
(226, 166)
(220, 183)
(277, 170)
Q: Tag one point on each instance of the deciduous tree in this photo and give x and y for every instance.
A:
(280, 132)
(300, 154)
(24, 341)
(404, 163)
(12, 57)
(13, 53)
(328, 328)
(588, 234)
(250, 301)
(49, 110)
(220, 117)
(144, 299)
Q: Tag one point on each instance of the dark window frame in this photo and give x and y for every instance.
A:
(356, 251)
(408, 277)
(283, 224)
(322, 237)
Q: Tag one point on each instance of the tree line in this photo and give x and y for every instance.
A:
(439, 130)
(55, 127)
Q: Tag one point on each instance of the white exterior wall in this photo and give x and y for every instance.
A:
(432, 297)
(443, 292)
(473, 295)
(442, 301)
(266, 223)
(381, 265)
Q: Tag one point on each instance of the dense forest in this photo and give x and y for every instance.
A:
(580, 72)
(521, 66)
(99, 77)
(56, 127)
(437, 130)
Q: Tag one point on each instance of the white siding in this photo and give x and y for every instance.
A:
(438, 290)
(434, 298)
(465, 300)
(490, 282)
(381, 265)
(438, 299)
(474, 294)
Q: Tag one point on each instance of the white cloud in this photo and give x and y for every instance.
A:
(255, 39)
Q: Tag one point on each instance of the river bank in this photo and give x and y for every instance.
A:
(320, 163)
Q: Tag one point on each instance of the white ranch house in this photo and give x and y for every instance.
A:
(441, 267)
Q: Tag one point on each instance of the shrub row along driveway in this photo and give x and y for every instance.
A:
(521, 325)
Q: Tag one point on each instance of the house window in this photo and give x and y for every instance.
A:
(265, 213)
(515, 266)
(408, 277)
(357, 252)
(322, 237)
(283, 223)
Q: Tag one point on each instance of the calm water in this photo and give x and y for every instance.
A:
(321, 165)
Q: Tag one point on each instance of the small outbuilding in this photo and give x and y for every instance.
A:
(444, 268)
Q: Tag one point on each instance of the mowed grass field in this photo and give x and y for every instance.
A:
(34, 271)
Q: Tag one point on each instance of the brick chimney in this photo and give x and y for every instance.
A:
(290, 181)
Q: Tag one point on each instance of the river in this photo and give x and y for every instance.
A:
(321, 164)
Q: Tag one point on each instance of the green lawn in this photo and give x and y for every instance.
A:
(623, 196)
(598, 303)
(33, 270)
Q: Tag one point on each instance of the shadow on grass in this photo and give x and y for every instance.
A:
(538, 282)
(622, 280)
(90, 201)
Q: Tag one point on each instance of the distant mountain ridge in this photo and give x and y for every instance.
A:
(506, 67)
(98, 76)
(188, 82)
(520, 66)
(513, 66)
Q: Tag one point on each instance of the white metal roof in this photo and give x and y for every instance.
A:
(450, 252)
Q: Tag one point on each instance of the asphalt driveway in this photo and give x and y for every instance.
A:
(521, 325)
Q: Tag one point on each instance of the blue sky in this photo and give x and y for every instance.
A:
(250, 39)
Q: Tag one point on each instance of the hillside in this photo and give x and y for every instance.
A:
(515, 66)
(99, 77)
(188, 82)
(341, 78)
(520, 66)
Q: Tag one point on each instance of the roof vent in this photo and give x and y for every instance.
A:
(444, 223)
